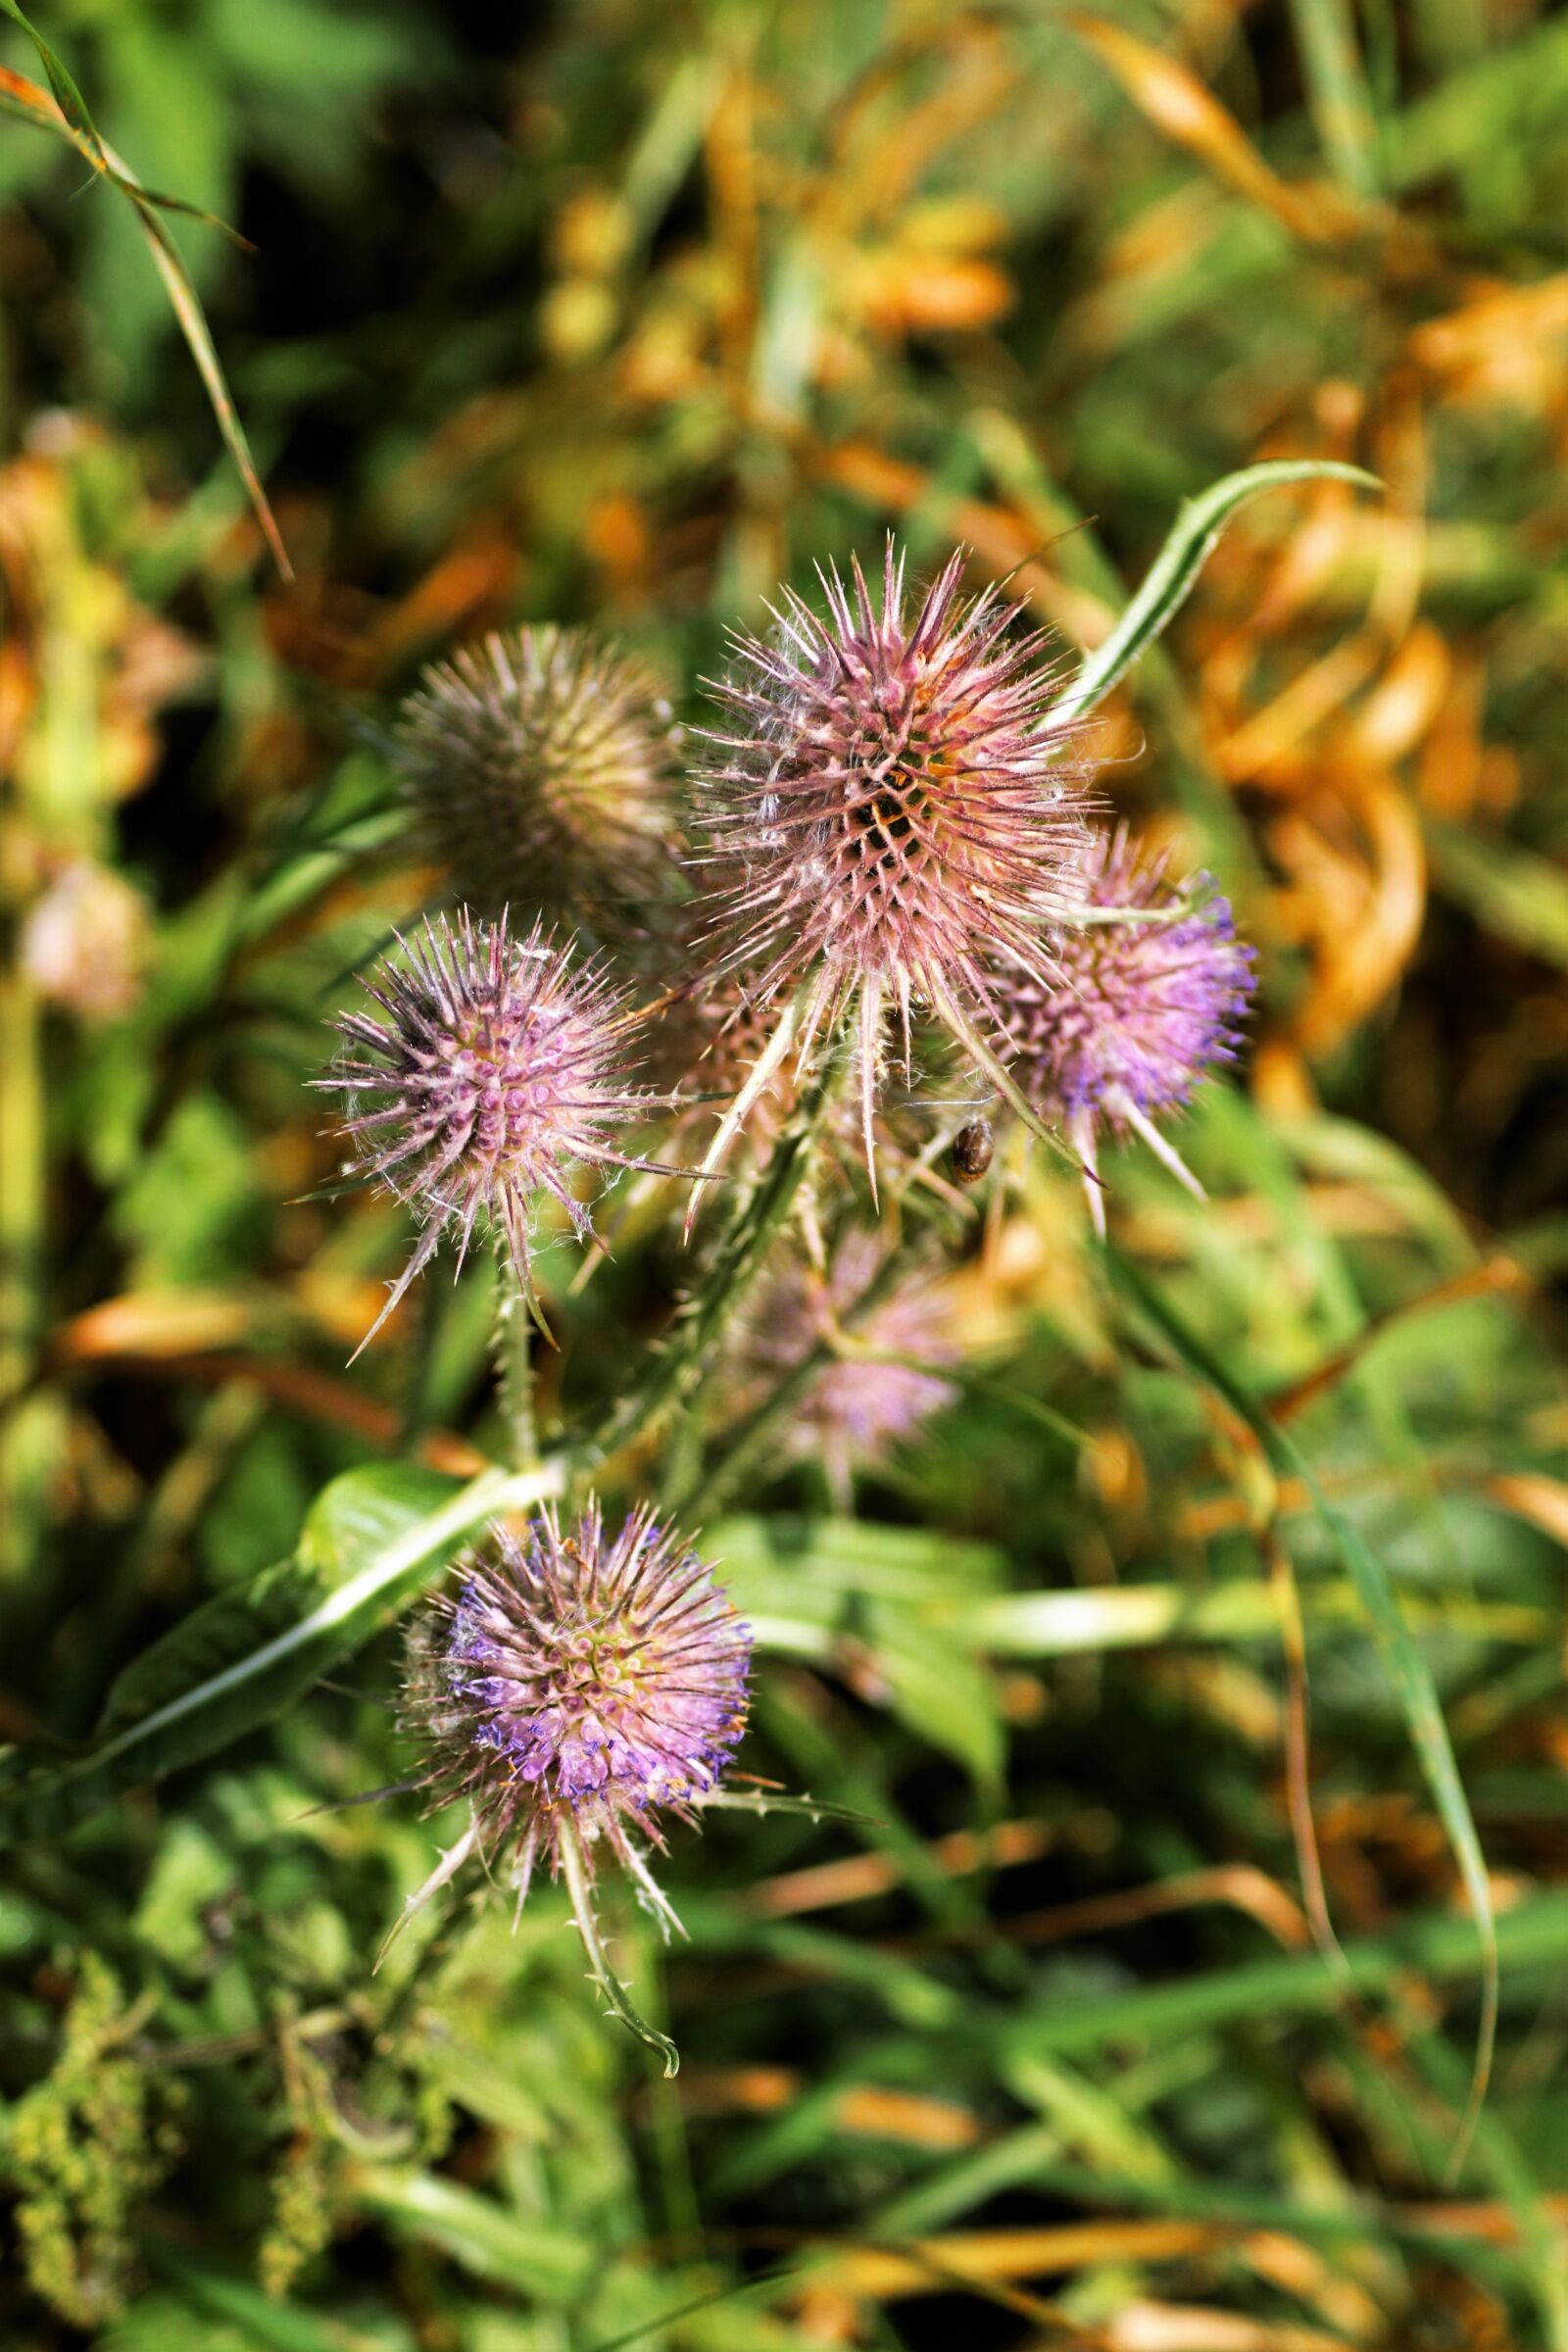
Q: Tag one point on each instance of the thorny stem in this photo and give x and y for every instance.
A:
(599, 1969)
(677, 1371)
(513, 1351)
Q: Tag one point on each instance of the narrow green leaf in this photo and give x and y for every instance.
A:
(1512, 892)
(1338, 97)
(1407, 1669)
(375, 1538)
(71, 117)
(1176, 569)
(485, 2237)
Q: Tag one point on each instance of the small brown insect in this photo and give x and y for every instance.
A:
(972, 1148)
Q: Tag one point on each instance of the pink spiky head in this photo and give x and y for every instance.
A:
(540, 767)
(577, 1681)
(1140, 1009)
(853, 1410)
(897, 802)
(498, 1066)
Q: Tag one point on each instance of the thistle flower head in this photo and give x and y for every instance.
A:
(1140, 1009)
(498, 1065)
(897, 802)
(539, 767)
(578, 1687)
(856, 1411)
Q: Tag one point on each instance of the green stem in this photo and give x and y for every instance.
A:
(514, 1348)
(678, 1369)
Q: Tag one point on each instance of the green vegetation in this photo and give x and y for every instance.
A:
(1144, 1928)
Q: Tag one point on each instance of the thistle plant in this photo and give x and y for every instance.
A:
(896, 840)
(539, 767)
(574, 1690)
(1143, 1004)
(897, 801)
(498, 1065)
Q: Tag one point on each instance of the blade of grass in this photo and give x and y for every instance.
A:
(1175, 571)
(62, 109)
(1337, 93)
(1409, 1670)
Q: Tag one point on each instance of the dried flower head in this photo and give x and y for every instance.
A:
(499, 1064)
(898, 801)
(575, 1689)
(84, 944)
(857, 1408)
(1141, 1008)
(539, 766)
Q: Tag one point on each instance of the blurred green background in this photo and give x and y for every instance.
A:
(624, 316)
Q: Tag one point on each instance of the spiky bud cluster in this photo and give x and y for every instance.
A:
(1141, 1008)
(898, 800)
(499, 1064)
(856, 1411)
(539, 767)
(575, 1685)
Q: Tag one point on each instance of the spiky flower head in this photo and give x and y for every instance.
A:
(499, 1064)
(1141, 1008)
(575, 1689)
(539, 766)
(898, 800)
(857, 1408)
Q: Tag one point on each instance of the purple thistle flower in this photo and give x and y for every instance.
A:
(499, 1064)
(854, 1410)
(573, 1689)
(1140, 1009)
(898, 803)
(539, 766)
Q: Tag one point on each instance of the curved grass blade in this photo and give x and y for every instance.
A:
(1407, 1669)
(373, 1540)
(79, 122)
(65, 111)
(1174, 572)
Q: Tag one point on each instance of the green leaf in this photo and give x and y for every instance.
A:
(375, 1538)
(1176, 569)
(1407, 1668)
(939, 1690)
